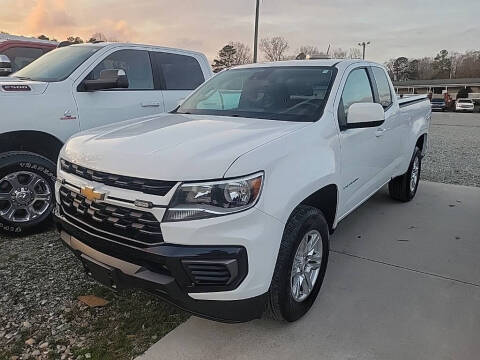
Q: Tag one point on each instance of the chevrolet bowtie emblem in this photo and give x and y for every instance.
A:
(91, 194)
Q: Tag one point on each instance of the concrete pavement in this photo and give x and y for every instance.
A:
(403, 282)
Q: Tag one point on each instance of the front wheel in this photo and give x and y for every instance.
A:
(27, 185)
(404, 187)
(301, 264)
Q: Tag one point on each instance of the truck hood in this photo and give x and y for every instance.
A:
(173, 146)
(36, 87)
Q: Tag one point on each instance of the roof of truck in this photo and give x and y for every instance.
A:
(7, 37)
(339, 63)
(119, 44)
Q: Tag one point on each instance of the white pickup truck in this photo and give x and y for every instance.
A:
(72, 89)
(225, 206)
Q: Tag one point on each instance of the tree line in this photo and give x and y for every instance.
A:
(444, 65)
(77, 39)
(274, 49)
(74, 39)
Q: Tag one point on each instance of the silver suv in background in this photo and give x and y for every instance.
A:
(464, 105)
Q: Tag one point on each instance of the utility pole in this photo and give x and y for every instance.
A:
(255, 39)
(363, 45)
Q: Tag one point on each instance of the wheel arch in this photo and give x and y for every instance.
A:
(37, 142)
(422, 143)
(326, 200)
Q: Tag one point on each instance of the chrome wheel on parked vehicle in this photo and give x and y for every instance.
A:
(301, 264)
(24, 196)
(27, 183)
(414, 174)
(306, 265)
(404, 187)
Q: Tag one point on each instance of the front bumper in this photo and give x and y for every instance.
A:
(170, 271)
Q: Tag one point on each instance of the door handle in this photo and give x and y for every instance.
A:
(380, 132)
(150, 104)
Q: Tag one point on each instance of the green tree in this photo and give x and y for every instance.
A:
(226, 58)
(75, 39)
(400, 68)
(442, 63)
(463, 92)
(413, 69)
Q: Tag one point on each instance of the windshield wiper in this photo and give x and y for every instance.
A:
(23, 77)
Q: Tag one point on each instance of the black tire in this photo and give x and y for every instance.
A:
(281, 303)
(399, 187)
(35, 165)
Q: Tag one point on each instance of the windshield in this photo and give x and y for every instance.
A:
(279, 93)
(57, 64)
(438, 100)
(465, 101)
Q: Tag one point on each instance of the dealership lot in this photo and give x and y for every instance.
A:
(424, 253)
(454, 154)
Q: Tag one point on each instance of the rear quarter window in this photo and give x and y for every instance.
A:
(179, 72)
(383, 87)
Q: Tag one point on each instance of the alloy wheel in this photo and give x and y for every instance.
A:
(414, 174)
(306, 265)
(24, 196)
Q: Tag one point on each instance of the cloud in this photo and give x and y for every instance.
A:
(47, 16)
(395, 28)
(116, 30)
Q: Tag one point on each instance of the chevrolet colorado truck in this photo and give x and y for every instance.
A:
(74, 88)
(224, 206)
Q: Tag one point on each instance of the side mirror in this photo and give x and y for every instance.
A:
(362, 115)
(109, 79)
(5, 65)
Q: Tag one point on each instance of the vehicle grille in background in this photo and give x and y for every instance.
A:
(123, 223)
(211, 272)
(147, 186)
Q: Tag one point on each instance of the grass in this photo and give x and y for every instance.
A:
(127, 326)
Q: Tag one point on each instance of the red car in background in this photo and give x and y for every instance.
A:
(22, 51)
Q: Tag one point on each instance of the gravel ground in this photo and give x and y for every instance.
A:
(40, 316)
(454, 153)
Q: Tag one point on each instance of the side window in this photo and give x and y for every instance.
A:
(357, 89)
(135, 63)
(180, 72)
(383, 87)
(22, 56)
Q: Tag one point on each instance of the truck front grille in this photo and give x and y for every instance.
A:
(115, 222)
(147, 186)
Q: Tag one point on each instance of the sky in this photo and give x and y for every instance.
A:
(411, 28)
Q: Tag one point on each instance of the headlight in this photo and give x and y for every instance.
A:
(209, 199)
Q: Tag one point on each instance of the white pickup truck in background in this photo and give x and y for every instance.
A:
(225, 206)
(72, 89)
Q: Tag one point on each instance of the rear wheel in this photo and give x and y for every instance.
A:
(27, 185)
(404, 187)
(301, 264)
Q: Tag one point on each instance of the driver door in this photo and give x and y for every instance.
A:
(362, 155)
(141, 98)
